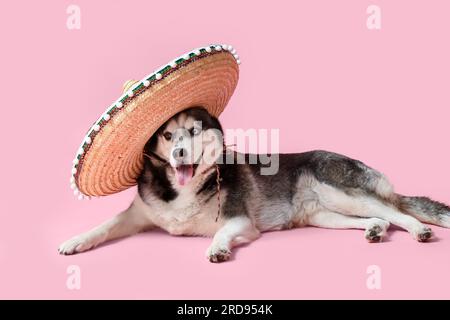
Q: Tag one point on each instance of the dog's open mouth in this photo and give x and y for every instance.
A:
(184, 173)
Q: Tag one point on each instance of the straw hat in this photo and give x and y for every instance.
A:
(110, 157)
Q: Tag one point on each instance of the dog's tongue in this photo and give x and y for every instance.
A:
(184, 174)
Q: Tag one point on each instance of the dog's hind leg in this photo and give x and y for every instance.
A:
(127, 223)
(366, 206)
(375, 228)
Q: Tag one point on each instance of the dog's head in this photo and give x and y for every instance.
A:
(188, 143)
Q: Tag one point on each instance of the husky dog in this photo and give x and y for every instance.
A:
(234, 203)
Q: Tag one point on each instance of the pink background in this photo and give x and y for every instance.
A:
(310, 68)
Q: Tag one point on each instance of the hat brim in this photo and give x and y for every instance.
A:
(111, 156)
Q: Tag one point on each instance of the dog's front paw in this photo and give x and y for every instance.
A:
(217, 254)
(77, 244)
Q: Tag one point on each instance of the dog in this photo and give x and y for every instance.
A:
(232, 202)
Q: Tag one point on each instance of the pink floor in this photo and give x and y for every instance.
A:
(311, 69)
(297, 264)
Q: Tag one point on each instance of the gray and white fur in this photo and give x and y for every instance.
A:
(179, 194)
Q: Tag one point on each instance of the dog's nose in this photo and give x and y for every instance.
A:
(179, 153)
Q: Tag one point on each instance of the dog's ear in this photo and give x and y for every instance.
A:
(215, 124)
(150, 146)
(208, 120)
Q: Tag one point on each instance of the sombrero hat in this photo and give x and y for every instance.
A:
(110, 157)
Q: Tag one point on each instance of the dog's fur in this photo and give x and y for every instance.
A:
(316, 188)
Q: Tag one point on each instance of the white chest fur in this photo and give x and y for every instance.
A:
(187, 214)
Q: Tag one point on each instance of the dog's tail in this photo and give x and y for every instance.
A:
(425, 209)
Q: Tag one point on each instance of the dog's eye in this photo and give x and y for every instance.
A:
(167, 135)
(195, 131)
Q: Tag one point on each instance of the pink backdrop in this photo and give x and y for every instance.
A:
(310, 68)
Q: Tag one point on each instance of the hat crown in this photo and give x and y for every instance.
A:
(128, 84)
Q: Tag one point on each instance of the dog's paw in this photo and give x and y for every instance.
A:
(220, 256)
(423, 235)
(217, 254)
(377, 230)
(77, 244)
(374, 234)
